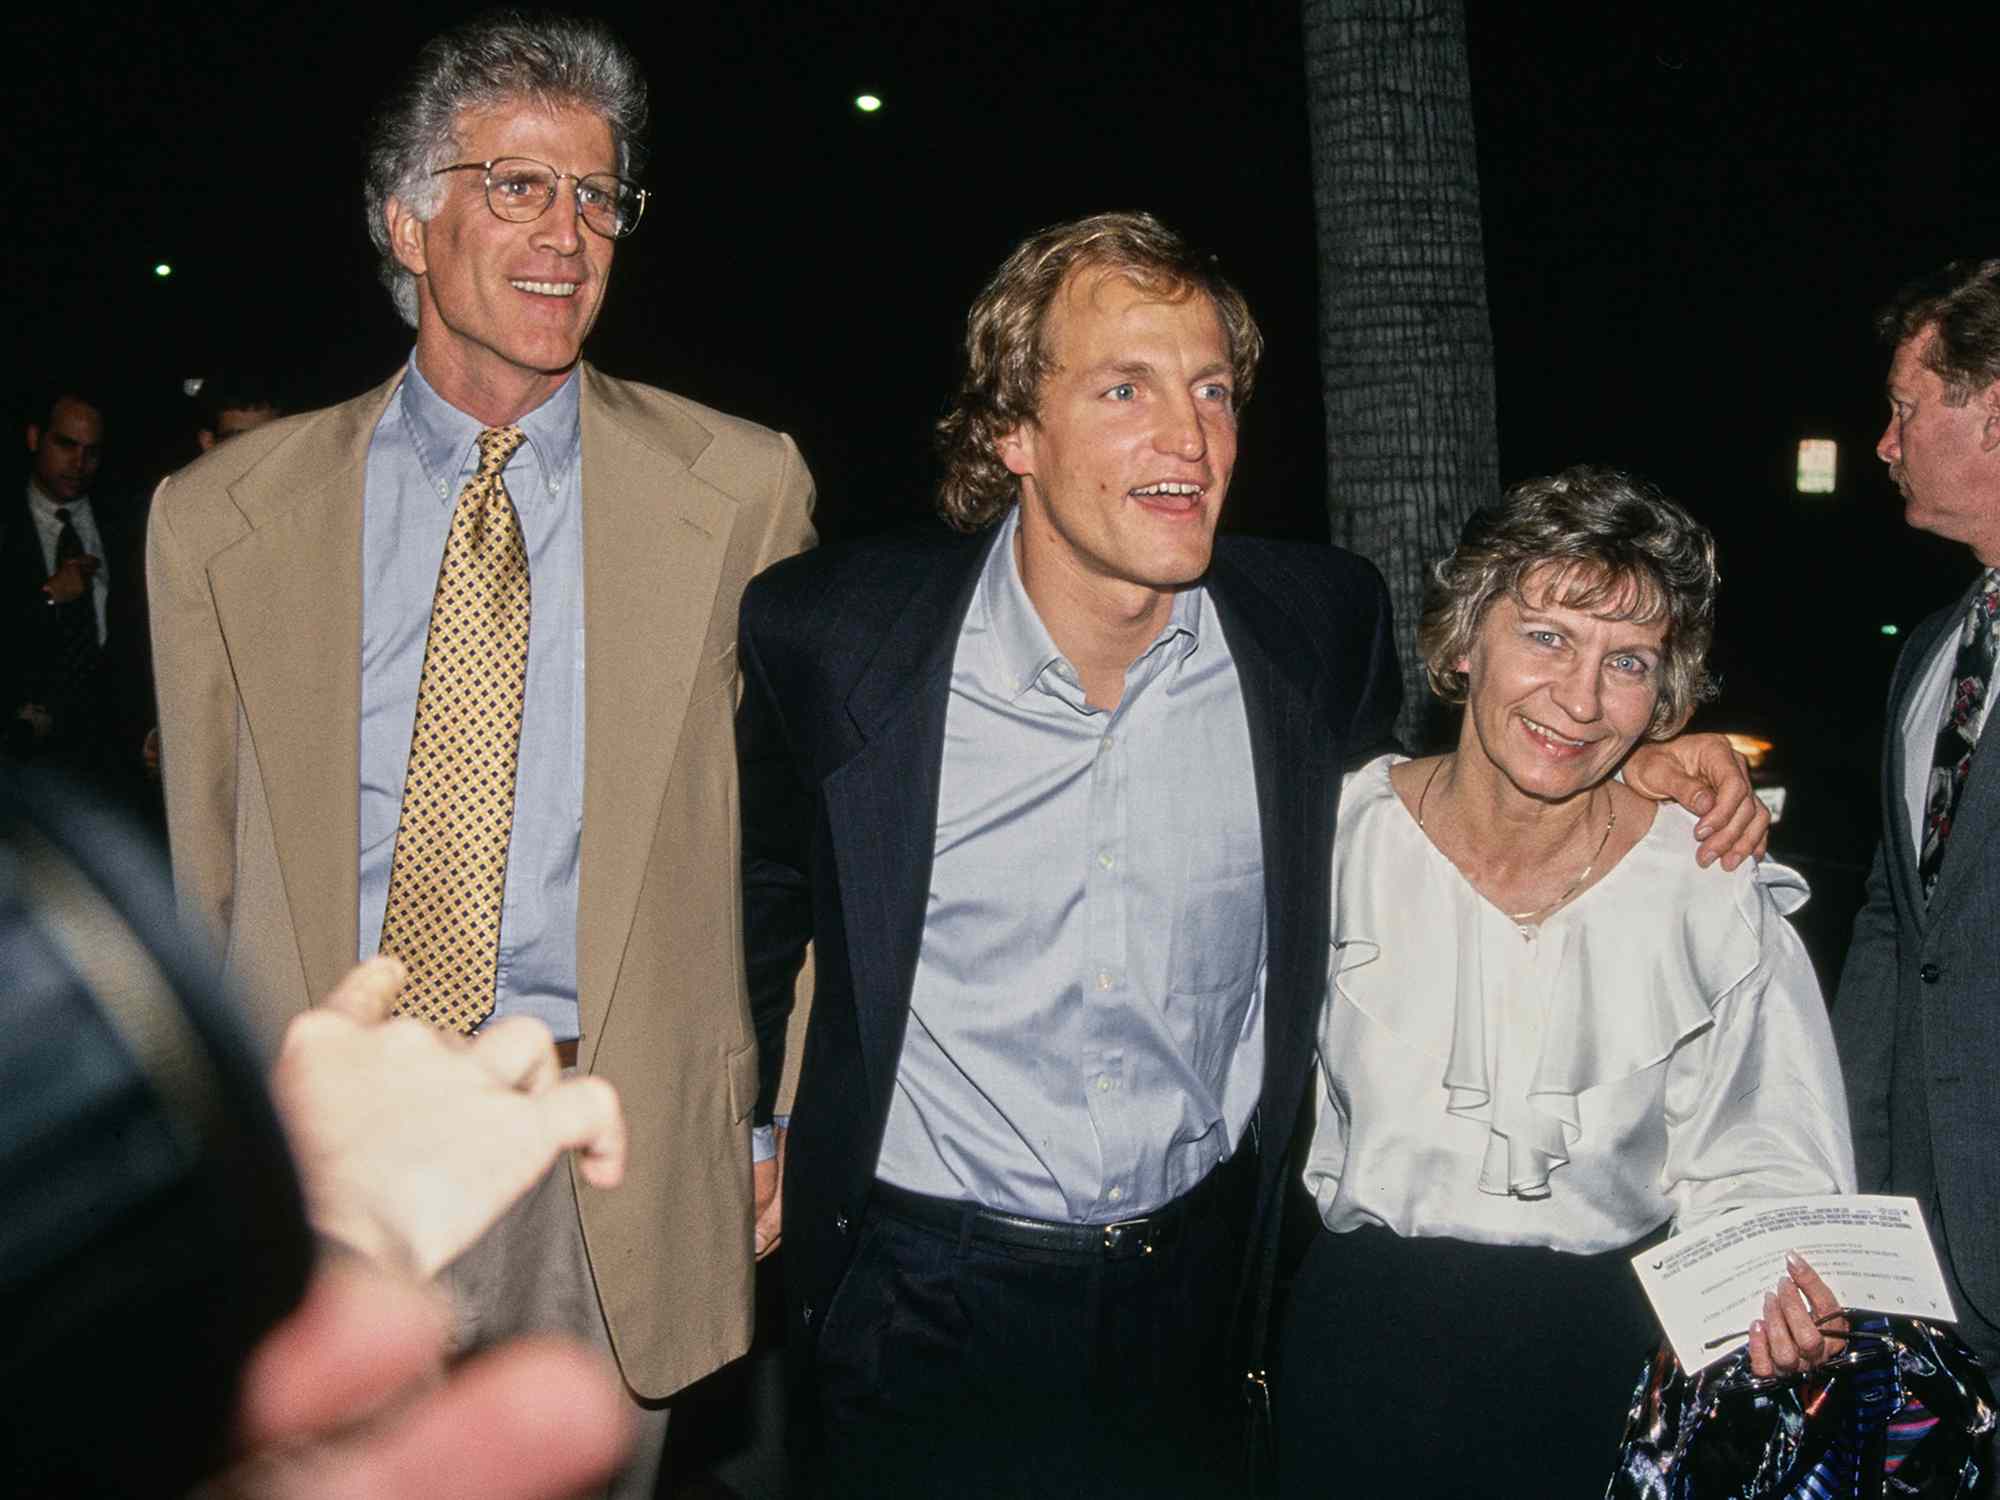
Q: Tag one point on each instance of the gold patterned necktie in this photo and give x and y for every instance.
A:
(450, 866)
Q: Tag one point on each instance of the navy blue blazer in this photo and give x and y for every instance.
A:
(846, 656)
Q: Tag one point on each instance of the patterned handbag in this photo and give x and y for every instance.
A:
(1907, 1411)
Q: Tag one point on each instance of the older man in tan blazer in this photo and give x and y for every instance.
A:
(312, 649)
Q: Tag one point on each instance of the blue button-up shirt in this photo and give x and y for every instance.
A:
(423, 452)
(1086, 1027)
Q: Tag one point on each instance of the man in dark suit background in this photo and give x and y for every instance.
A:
(74, 678)
(1054, 801)
(1917, 1014)
(231, 404)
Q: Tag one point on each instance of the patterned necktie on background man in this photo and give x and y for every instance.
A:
(76, 621)
(1958, 734)
(450, 866)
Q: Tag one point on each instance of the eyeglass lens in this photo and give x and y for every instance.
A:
(520, 190)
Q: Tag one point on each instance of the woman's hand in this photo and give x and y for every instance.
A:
(1790, 1338)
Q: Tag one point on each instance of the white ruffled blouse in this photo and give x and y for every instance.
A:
(1658, 1049)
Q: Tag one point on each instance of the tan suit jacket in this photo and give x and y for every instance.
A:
(254, 560)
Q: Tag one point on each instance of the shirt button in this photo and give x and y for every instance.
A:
(1115, 1194)
(840, 1223)
(1106, 860)
(1929, 973)
(1103, 1084)
(1103, 981)
(1105, 743)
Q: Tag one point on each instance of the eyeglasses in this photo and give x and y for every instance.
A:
(520, 191)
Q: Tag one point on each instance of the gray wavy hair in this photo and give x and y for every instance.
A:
(555, 62)
(1614, 543)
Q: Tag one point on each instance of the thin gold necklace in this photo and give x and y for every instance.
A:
(1610, 822)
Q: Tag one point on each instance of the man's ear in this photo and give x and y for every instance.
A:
(34, 438)
(406, 236)
(204, 439)
(1989, 432)
(1017, 449)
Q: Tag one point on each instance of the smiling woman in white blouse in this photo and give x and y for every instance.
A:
(1549, 1036)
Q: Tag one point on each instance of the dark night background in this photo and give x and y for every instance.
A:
(1691, 213)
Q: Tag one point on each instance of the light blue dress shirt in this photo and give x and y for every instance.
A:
(424, 450)
(1086, 1036)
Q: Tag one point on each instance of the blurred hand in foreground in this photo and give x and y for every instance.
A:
(348, 1400)
(411, 1141)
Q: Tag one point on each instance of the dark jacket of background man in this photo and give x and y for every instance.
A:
(1917, 1014)
(91, 722)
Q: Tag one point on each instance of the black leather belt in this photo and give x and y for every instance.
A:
(1123, 1239)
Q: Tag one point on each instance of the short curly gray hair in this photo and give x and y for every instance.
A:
(1613, 541)
(501, 58)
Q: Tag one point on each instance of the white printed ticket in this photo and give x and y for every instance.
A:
(1872, 1251)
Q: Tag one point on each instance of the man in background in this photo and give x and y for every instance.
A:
(230, 404)
(1917, 1014)
(73, 681)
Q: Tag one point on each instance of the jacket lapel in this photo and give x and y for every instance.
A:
(1977, 816)
(1297, 769)
(882, 801)
(654, 541)
(1899, 838)
(288, 597)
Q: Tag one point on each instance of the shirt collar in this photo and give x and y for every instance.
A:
(46, 506)
(1021, 642)
(444, 437)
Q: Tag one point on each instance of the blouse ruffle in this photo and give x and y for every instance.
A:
(1622, 976)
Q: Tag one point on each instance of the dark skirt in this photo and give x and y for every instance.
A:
(1421, 1367)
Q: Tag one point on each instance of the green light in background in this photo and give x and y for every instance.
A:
(1891, 630)
(867, 103)
(163, 270)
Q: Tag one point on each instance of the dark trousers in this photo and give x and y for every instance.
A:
(1428, 1368)
(952, 1365)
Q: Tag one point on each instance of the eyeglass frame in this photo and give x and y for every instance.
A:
(555, 186)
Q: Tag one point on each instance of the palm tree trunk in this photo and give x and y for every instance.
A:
(1406, 346)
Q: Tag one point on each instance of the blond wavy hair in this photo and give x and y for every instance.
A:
(1006, 343)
